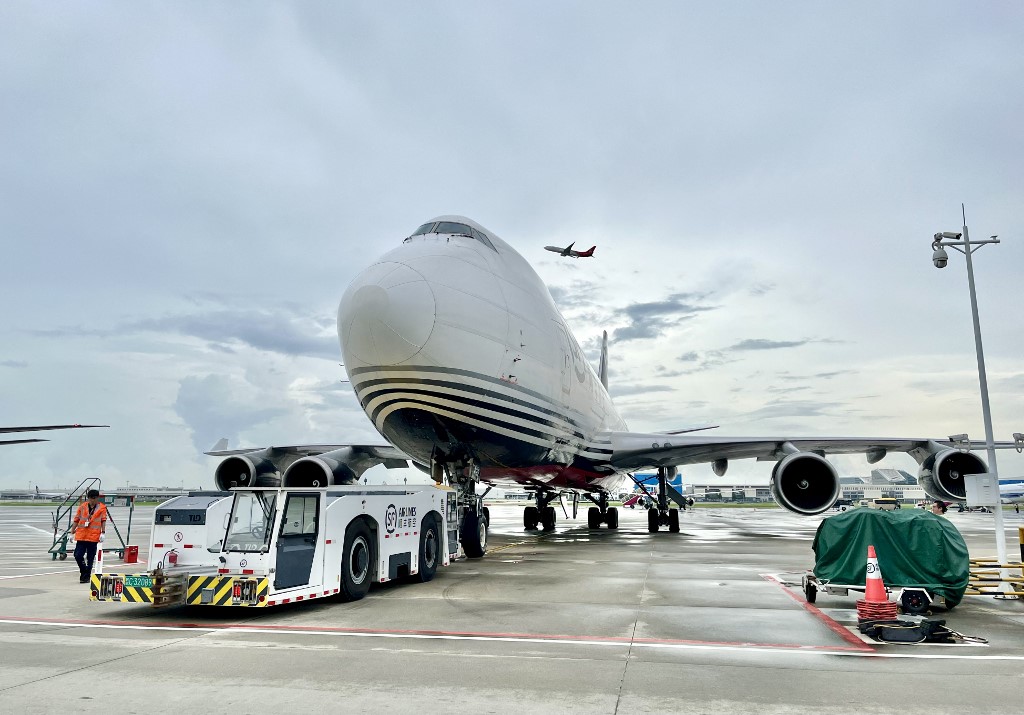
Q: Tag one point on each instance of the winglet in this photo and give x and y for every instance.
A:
(602, 369)
(221, 445)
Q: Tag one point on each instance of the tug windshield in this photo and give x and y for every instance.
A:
(252, 520)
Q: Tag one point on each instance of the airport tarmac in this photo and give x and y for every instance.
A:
(571, 621)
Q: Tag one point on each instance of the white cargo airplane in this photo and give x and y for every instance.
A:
(461, 360)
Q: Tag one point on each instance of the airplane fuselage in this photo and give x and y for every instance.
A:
(452, 342)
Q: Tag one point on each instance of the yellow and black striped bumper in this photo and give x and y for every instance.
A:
(113, 587)
(227, 591)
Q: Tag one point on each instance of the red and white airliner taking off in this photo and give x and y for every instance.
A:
(463, 363)
(569, 252)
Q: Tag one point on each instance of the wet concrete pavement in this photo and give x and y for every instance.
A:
(572, 621)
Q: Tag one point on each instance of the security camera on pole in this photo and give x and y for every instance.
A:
(961, 242)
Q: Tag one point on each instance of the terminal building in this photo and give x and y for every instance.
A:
(894, 483)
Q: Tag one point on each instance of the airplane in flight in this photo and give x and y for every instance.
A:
(7, 430)
(569, 252)
(463, 363)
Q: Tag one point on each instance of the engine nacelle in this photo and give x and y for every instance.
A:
(805, 483)
(942, 474)
(252, 469)
(342, 466)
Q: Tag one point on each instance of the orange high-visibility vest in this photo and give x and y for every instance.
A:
(89, 527)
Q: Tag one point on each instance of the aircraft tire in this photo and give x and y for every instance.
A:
(548, 518)
(530, 518)
(430, 549)
(613, 518)
(673, 520)
(357, 562)
(593, 518)
(652, 520)
(473, 535)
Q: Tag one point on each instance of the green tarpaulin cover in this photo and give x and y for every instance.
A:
(914, 548)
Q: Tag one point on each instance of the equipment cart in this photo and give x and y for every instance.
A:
(922, 557)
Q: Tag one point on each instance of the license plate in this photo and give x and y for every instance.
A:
(243, 591)
(138, 581)
(111, 588)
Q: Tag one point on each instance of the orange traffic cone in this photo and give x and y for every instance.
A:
(875, 605)
(874, 589)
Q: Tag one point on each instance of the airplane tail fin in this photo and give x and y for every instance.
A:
(602, 369)
(588, 253)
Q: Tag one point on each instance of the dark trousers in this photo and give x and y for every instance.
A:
(85, 554)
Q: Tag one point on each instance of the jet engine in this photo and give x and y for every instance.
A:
(252, 469)
(942, 474)
(805, 483)
(342, 466)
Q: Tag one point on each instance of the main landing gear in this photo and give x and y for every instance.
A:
(543, 513)
(660, 515)
(602, 514)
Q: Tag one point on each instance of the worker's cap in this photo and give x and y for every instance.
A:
(93, 493)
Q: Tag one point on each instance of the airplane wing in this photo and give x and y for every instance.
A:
(632, 450)
(37, 428)
(302, 465)
(382, 452)
(46, 427)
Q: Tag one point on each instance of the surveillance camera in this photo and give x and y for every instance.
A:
(958, 438)
(939, 258)
(950, 234)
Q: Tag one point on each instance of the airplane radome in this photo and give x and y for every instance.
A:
(462, 362)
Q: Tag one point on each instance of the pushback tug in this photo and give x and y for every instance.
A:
(277, 545)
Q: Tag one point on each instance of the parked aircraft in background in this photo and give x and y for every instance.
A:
(1011, 491)
(5, 430)
(567, 251)
(461, 360)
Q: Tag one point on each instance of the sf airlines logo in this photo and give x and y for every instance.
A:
(404, 518)
(872, 568)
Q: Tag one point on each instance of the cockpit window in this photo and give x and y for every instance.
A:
(452, 227)
(456, 229)
(482, 238)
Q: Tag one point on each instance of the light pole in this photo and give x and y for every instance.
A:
(961, 242)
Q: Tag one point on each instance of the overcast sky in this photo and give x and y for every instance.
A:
(186, 189)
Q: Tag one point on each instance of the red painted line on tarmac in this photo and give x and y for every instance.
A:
(448, 634)
(832, 624)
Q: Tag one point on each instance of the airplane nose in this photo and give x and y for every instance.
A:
(386, 315)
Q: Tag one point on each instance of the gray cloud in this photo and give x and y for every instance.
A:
(261, 330)
(804, 408)
(281, 332)
(216, 406)
(652, 319)
(16, 364)
(763, 344)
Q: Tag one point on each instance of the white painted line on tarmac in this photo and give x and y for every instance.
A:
(36, 528)
(47, 573)
(240, 629)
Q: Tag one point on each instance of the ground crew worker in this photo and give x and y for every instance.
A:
(90, 523)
